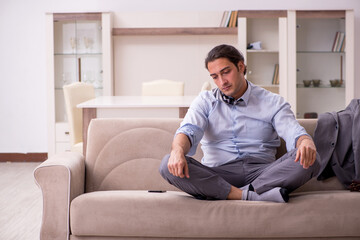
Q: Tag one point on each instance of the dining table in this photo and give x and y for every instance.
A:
(132, 107)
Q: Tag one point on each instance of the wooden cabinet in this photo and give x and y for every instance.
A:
(79, 49)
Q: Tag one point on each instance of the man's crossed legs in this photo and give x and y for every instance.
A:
(259, 179)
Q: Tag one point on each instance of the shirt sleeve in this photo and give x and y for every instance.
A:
(194, 134)
(196, 121)
(287, 126)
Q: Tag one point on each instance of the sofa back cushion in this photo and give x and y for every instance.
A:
(125, 154)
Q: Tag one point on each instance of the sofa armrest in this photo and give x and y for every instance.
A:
(61, 178)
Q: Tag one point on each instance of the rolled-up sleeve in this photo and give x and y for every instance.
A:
(196, 120)
(194, 133)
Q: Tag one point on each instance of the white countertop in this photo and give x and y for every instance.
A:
(137, 102)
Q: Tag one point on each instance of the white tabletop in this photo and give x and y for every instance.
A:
(138, 102)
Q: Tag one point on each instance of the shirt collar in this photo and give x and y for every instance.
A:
(244, 98)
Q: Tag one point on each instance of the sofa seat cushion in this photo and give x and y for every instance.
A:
(176, 214)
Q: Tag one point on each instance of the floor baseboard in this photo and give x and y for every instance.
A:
(23, 157)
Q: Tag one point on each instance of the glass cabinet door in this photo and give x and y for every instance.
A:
(77, 55)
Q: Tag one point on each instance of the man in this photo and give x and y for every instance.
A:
(239, 125)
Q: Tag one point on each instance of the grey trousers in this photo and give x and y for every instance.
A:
(215, 182)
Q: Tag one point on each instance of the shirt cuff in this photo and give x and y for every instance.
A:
(297, 138)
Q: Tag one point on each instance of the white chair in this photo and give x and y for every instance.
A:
(206, 86)
(163, 87)
(74, 94)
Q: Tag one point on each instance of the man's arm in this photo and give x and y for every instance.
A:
(189, 135)
(306, 152)
(177, 164)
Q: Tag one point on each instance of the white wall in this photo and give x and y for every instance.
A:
(22, 53)
(140, 59)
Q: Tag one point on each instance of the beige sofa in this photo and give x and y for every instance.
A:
(105, 196)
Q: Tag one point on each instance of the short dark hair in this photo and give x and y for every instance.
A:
(225, 51)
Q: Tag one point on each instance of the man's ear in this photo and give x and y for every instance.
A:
(241, 66)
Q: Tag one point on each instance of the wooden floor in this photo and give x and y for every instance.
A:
(20, 202)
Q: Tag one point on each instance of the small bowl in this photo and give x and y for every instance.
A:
(316, 82)
(334, 83)
(307, 83)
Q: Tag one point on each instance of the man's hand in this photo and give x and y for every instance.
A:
(177, 164)
(306, 152)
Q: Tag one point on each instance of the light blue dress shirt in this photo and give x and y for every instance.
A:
(251, 127)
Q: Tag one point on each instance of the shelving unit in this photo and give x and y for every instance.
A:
(269, 28)
(79, 50)
(300, 42)
(311, 57)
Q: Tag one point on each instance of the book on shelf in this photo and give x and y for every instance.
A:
(343, 45)
(224, 19)
(230, 23)
(275, 80)
(226, 24)
(229, 19)
(339, 42)
(234, 20)
(335, 42)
